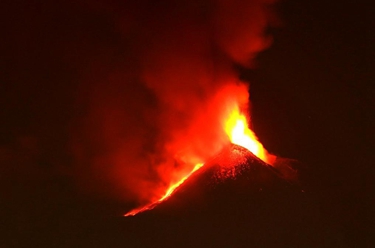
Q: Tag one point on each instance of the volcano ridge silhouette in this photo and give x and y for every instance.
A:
(234, 200)
(235, 172)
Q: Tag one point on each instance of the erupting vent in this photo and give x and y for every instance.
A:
(236, 127)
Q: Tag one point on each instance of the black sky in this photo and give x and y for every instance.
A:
(312, 100)
(318, 82)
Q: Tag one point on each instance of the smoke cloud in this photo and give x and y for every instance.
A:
(150, 84)
(161, 111)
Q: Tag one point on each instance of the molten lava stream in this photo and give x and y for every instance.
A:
(236, 127)
(169, 192)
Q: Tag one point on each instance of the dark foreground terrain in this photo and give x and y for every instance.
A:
(236, 200)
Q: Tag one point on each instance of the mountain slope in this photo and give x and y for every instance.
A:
(235, 200)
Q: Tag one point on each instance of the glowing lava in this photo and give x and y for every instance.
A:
(237, 129)
(238, 132)
(169, 192)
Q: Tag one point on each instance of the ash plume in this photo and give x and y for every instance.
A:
(148, 85)
(160, 111)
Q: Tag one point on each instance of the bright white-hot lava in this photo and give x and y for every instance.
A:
(236, 127)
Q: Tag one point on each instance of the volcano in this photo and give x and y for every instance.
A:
(235, 200)
(235, 169)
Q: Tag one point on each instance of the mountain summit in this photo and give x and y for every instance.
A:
(235, 200)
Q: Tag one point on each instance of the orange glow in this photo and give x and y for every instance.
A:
(173, 187)
(237, 129)
(169, 192)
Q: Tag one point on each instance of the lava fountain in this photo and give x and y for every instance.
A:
(236, 127)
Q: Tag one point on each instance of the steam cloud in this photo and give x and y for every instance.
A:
(154, 86)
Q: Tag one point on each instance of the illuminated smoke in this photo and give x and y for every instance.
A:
(160, 107)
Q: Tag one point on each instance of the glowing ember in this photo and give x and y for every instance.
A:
(240, 134)
(236, 127)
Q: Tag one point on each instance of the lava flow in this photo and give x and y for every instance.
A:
(236, 127)
(169, 192)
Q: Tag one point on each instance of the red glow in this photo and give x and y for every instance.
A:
(236, 128)
(169, 192)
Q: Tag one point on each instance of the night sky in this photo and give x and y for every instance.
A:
(311, 100)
